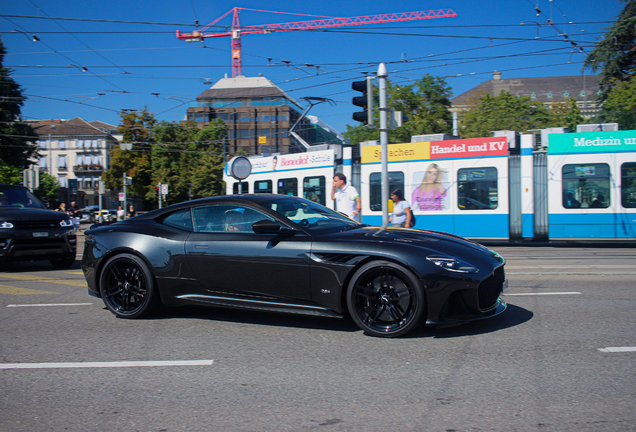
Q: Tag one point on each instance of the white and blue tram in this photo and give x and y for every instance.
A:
(502, 188)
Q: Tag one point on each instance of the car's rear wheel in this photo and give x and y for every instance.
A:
(127, 287)
(385, 299)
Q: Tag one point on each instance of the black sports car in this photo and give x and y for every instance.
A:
(287, 254)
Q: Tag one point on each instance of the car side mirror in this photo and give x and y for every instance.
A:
(267, 226)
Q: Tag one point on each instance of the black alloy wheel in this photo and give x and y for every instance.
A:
(385, 299)
(127, 287)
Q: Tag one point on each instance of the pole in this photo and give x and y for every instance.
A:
(124, 195)
(159, 190)
(384, 140)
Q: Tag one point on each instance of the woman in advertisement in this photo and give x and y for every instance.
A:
(429, 194)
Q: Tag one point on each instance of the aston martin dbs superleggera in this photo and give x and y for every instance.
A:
(286, 254)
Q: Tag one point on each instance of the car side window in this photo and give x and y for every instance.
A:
(226, 218)
(181, 219)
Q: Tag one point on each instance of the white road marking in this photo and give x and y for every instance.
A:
(617, 349)
(106, 364)
(538, 294)
(50, 304)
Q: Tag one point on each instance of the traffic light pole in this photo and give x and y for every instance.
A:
(384, 140)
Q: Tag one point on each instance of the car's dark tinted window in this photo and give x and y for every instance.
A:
(226, 218)
(181, 219)
(18, 197)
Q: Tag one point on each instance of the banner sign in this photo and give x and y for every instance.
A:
(592, 142)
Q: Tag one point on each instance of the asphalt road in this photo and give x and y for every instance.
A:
(561, 358)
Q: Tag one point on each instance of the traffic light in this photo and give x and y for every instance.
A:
(365, 101)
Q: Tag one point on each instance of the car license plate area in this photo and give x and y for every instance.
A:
(40, 234)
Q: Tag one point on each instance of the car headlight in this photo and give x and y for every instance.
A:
(66, 223)
(5, 224)
(452, 264)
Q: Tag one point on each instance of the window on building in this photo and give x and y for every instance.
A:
(628, 185)
(224, 116)
(586, 186)
(79, 160)
(314, 189)
(95, 144)
(245, 133)
(288, 186)
(265, 118)
(477, 188)
(43, 162)
(396, 181)
(61, 144)
(245, 119)
(263, 186)
(80, 143)
(42, 144)
(63, 181)
(61, 162)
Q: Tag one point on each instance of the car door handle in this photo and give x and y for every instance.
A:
(202, 246)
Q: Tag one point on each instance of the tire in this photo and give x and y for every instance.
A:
(127, 287)
(63, 262)
(385, 299)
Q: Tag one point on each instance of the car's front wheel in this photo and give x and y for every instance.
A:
(385, 299)
(127, 287)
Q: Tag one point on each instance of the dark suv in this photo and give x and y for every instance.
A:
(28, 231)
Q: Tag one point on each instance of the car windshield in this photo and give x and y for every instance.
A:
(310, 215)
(18, 197)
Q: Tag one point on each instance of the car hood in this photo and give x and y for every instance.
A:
(15, 214)
(434, 241)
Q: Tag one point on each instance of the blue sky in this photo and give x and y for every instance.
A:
(134, 60)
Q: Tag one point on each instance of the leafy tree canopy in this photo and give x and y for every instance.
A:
(426, 103)
(565, 114)
(620, 105)
(17, 139)
(503, 112)
(615, 55)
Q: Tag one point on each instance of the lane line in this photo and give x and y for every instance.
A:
(118, 364)
(49, 304)
(46, 280)
(538, 294)
(617, 349)
(11, 290)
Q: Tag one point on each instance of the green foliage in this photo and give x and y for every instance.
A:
(137, 129)
(503, 112)
(426, 103)
(10, 174)
(17, 139)
(620, 105)
(565, 114)
(48, 189)
(615, 55)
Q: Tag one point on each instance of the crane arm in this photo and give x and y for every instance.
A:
(324, 23)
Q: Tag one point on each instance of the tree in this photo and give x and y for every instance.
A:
(615, 55)
(17, 139)
(9, 174)
(47, 191)
(503, 112)
(565, 114)
(620, 105)
(136, 128)
(426, 103)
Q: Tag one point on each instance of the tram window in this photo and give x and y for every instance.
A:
(314, 189)
(288, 186)
(245, 188)
(263, 186)
(477, 189)
(586, 186)
(628, 185)
(396, 181)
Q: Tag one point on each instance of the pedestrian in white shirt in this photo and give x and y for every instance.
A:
(346, 197)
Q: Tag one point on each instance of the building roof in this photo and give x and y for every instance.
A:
(244, 87)
(544, 89)
(75, 126)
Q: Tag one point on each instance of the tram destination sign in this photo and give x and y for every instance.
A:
(592, 142)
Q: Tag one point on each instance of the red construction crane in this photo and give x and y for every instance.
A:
(325, 22)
